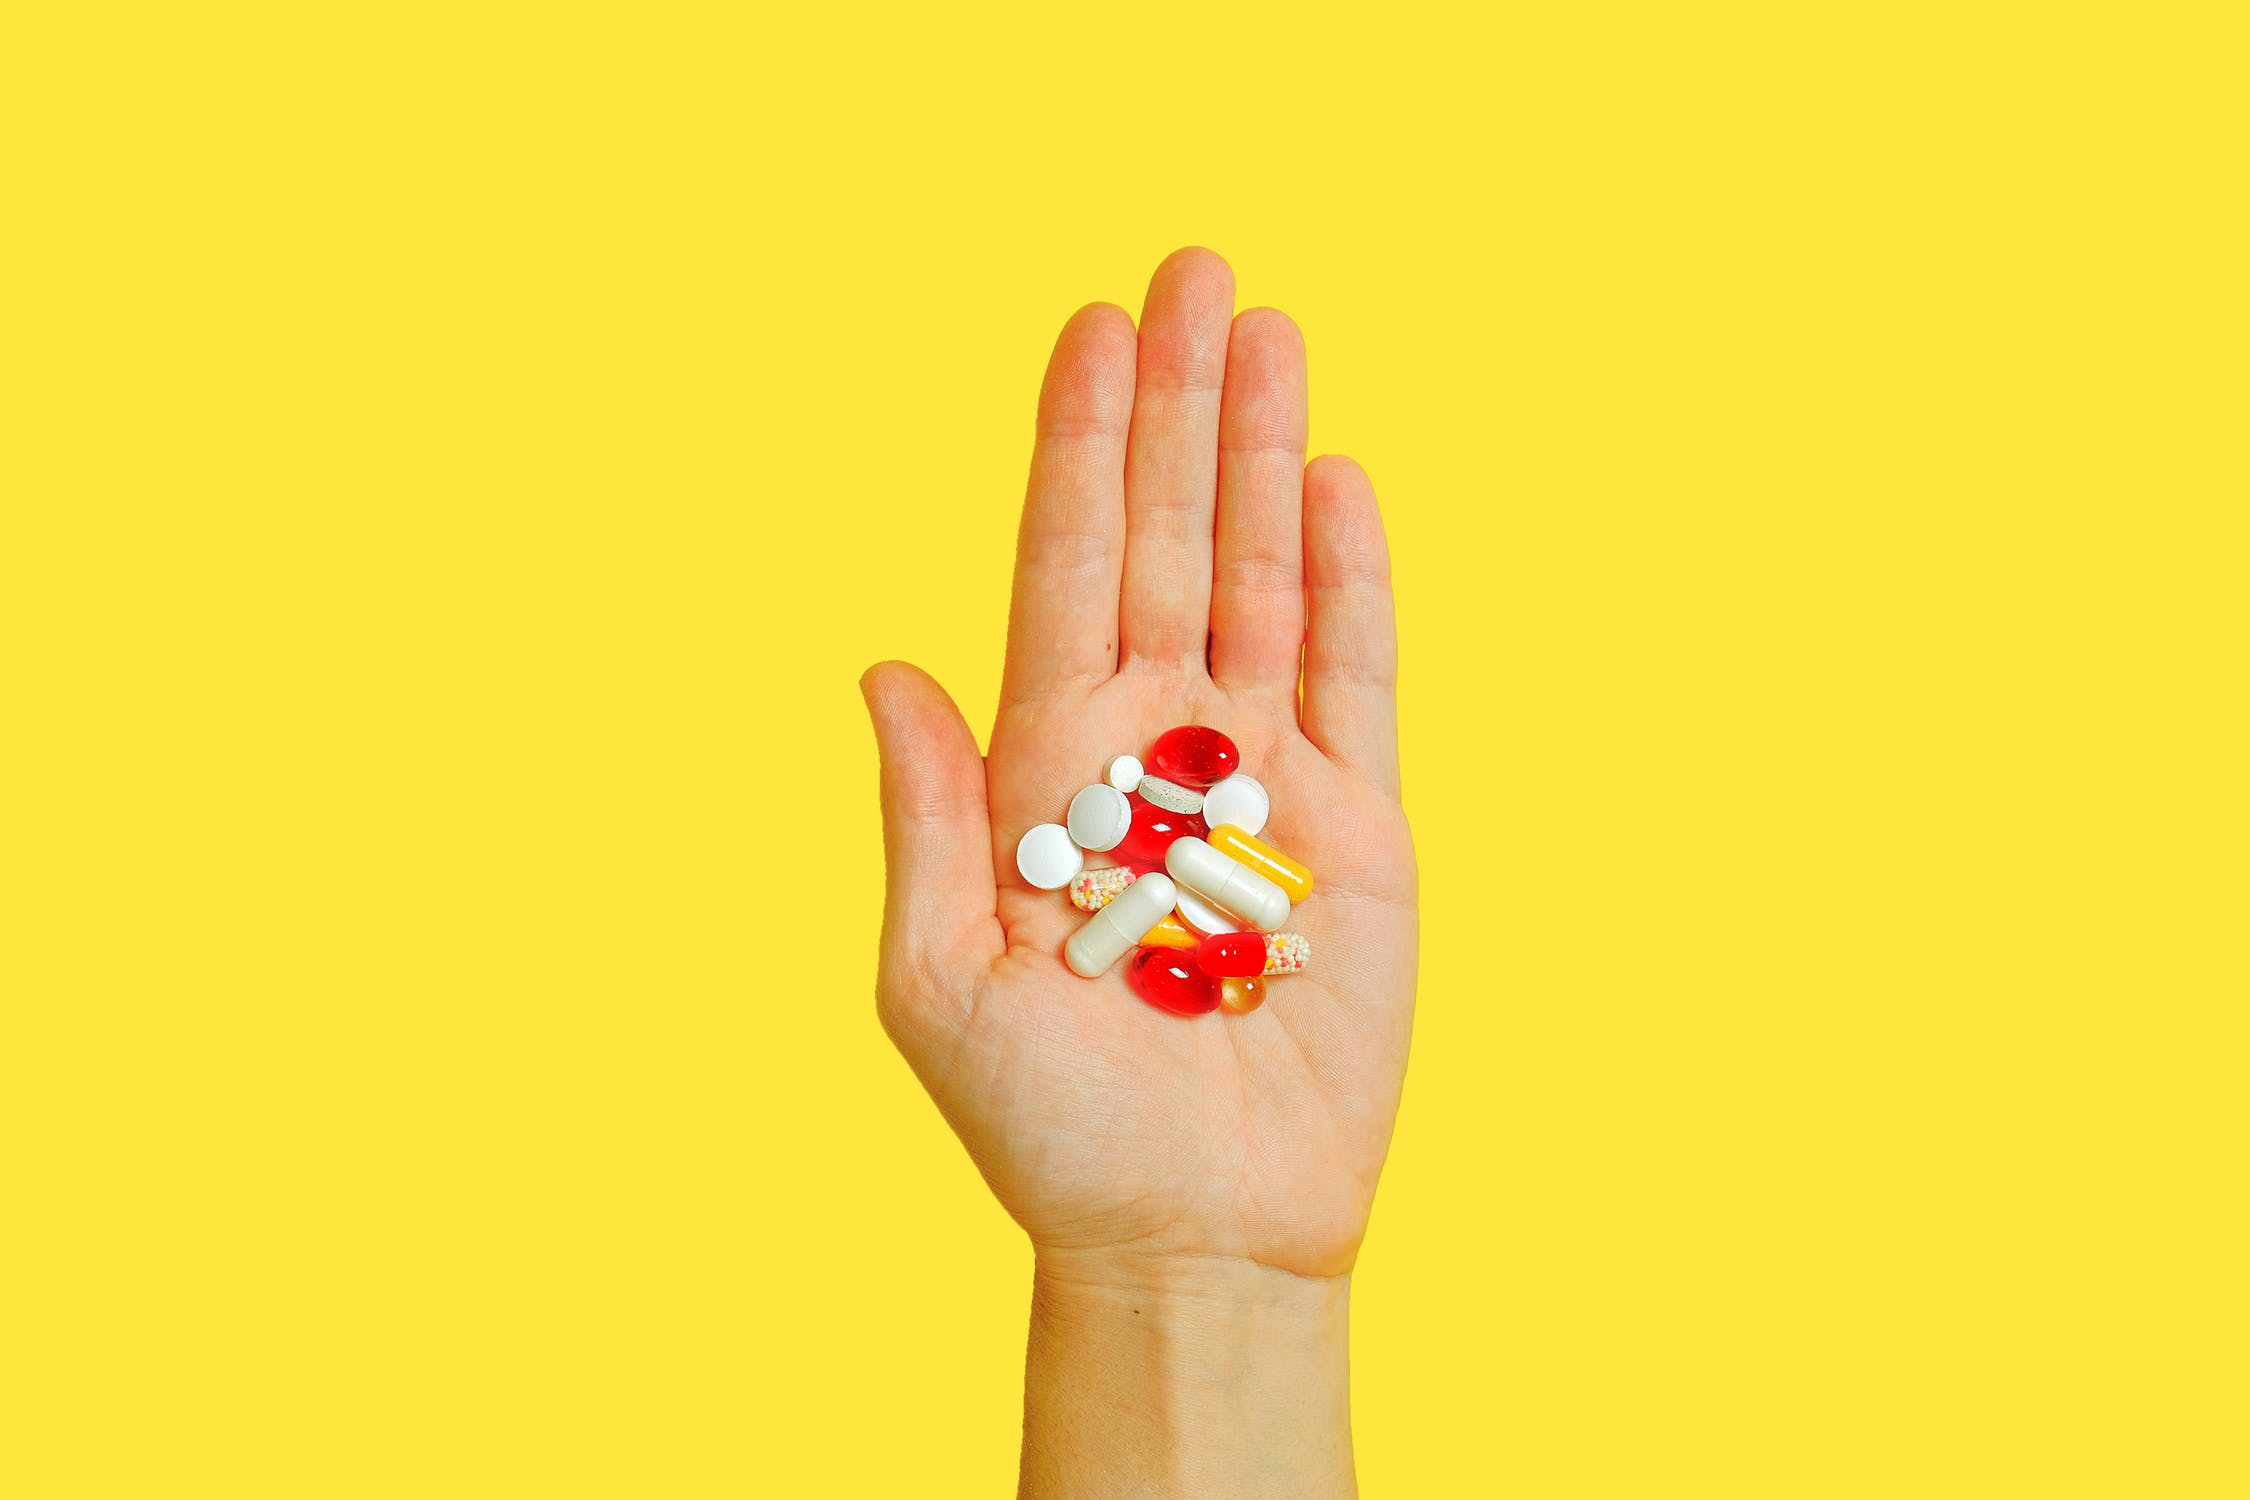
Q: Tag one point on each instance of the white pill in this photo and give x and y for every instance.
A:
(1099, 818)
(1047, 858)
(1240, 801)
(1123, 772)
(1235, 889)
(1170, 795)
(1202, 915)
(1103, 938)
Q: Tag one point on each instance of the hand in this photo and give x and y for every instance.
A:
(1174, 556)
(1195, 1189)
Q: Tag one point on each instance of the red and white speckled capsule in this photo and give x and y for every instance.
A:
(1229, 955)
(1287, 953)
(1095, 889)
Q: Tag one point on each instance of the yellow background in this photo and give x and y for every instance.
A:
(458, 460)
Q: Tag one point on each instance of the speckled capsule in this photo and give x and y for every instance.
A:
(1228, 955)
(1095, 889)
(1287, 953)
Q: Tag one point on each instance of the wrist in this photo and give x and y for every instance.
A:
(1185, 1374)
(1205, 1292)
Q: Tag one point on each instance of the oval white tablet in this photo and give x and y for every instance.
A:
(1123, 772)
(1201, 914)
(1240, 801)
(1170, 795)
(1047, 858)
(1099, 818)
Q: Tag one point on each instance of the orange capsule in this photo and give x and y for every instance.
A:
(1171, 933)
(1293, 878)
(1240, 996)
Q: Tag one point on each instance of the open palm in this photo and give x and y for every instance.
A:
(1178, 563)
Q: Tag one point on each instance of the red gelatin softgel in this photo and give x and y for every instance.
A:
(1152, 832)
(1171, 980)
(1225, 955)
(1193, 755)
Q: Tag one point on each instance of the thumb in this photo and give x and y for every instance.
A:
(937, 834)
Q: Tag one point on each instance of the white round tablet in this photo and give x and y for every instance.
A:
(1170, 795)
(1240, 801)
(1201, 914)
(1047, 858)
(1123, 772)
(1099, 818)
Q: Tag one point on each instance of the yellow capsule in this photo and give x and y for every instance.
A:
(1293, 878)
(1171, 933)
(1241, 995)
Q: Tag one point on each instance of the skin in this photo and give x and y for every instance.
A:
(1195, 1190)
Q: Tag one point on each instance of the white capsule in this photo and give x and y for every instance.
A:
(1047, 858)
(1202, 915)
(1099, 818)
(1104, 936)
(1123, 772)
(1170, 795)
(1240, 801)
(1219, 880)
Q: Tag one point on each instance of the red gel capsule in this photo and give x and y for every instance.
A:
(1225, 955)
(1193, 755)
(1152, 832)
(1169, 980)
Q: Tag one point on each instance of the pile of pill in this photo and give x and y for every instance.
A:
(1194, 889)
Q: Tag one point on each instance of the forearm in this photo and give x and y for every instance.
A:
(1162, 1376)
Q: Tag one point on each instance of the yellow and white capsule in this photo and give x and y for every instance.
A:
(1255, 854)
